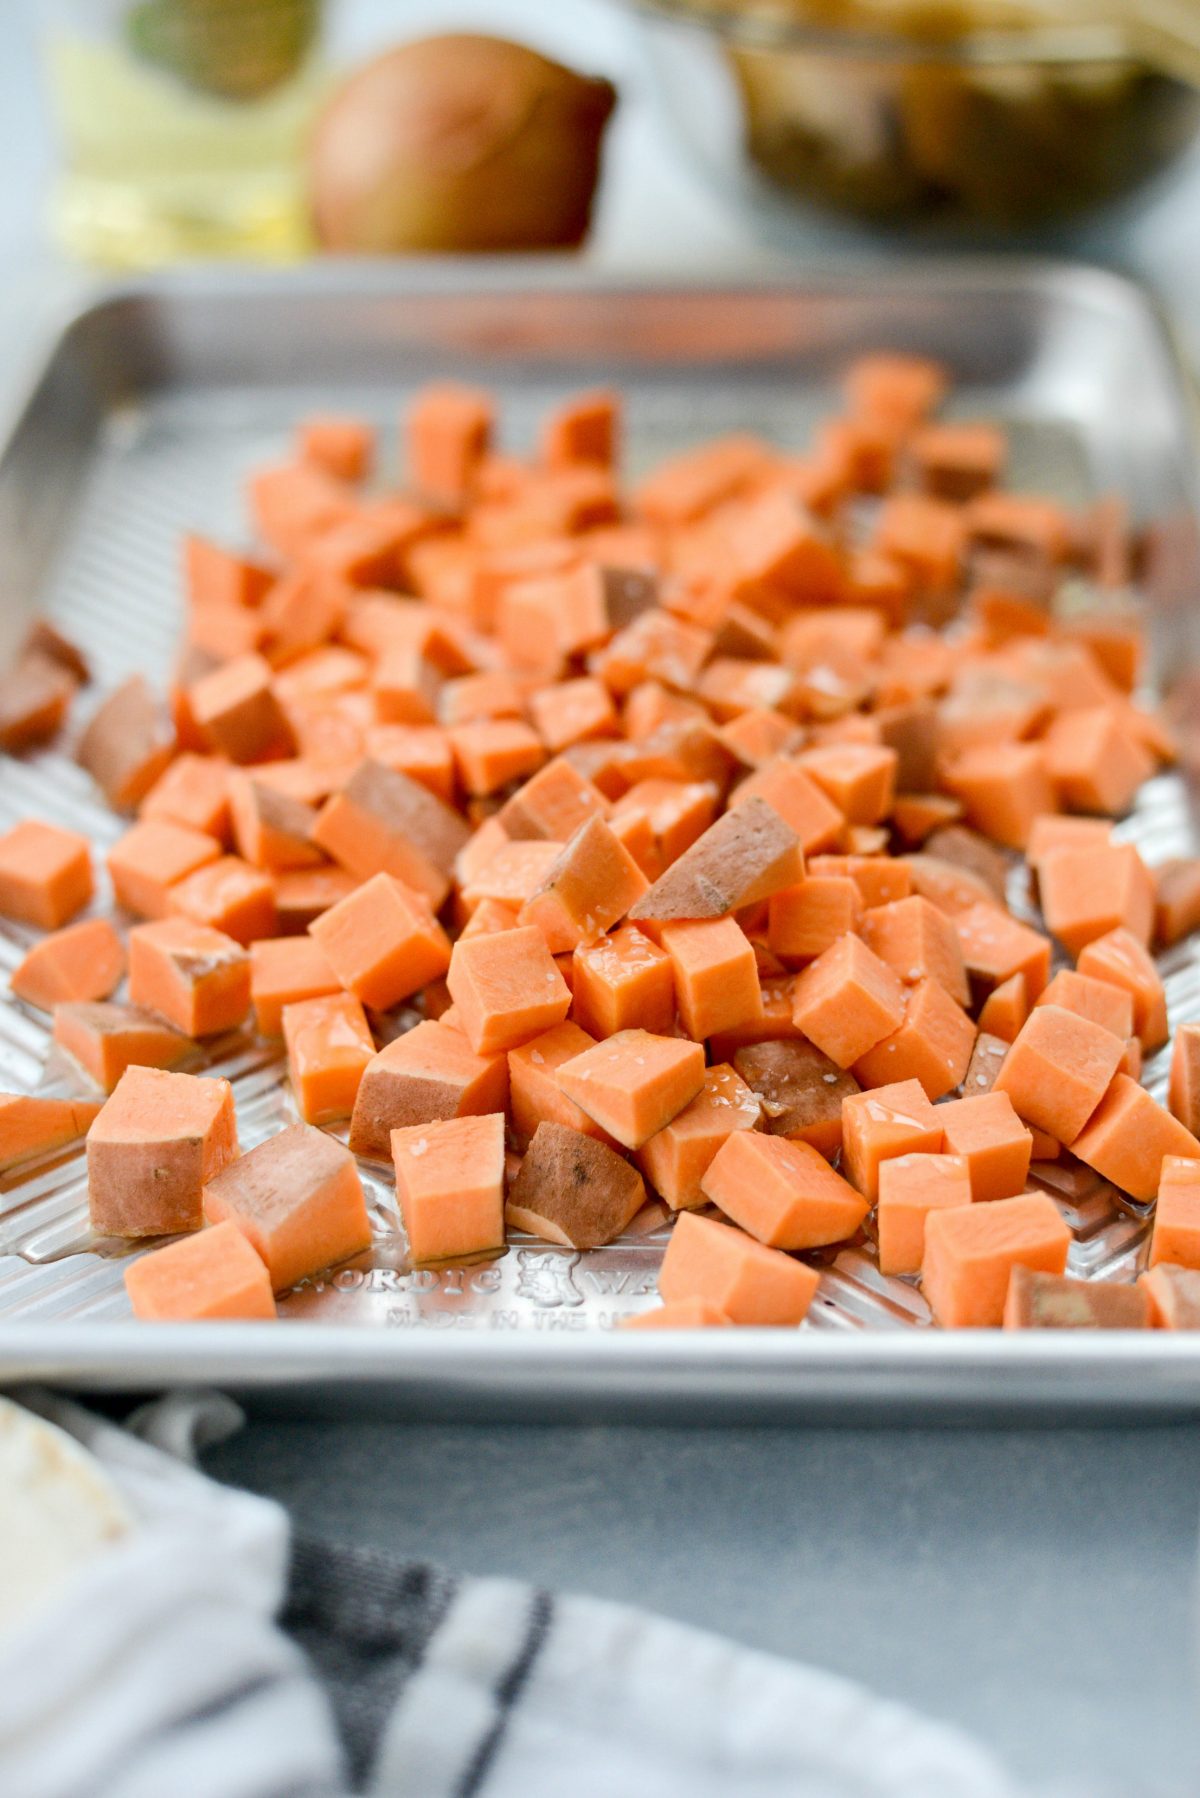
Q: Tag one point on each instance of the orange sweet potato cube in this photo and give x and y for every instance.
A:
(1003, 788)
(910, 1187)
(450, 1185)
(506, 988)
(633, 1084)
(676, 1158)
(284, 970)
(1127, 1137)
(382, 942)
(448, 432)
(880, 1125)
(860, 778)
(1086, 893)
(343, 447)
(196, 978)
(807, 919)
(623, 982)
(236, 708)
(298, 1200)
(329, 1047)
(1095, 762)
(194, 791)
(588, 887)
(582, 429)
(1174, 1295)
(674, 813)
(1006, 1008)
(995, 947)
(783, 1193)
(1184, 1088)
(552, 804)
(229, 895)
(83, 962)
(381, 821)
(128, 742)
(151, 856)
(573, 1189)
(270, 825)
(157, 1140)
(45, 874)
(535, 1097)
(847, 1001)
(716, 974)
(572, 711)
(211, 1274)
(1121, 959)
(302, 894)
(428, 1074)
(1176, 1235)
(919, 942)
(493, 752)
(33, 1127)
(746, 1281)
(106, 1038)
(986, 1133)
(933, 1044)
(511, 874)
(1098, 1000)
(1058, 1070)
(971, 1250)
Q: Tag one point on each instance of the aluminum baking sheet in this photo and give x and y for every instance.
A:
(152, 406)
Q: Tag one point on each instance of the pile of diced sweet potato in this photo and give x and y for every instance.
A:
(596, 849)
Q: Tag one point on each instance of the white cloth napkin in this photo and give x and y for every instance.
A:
(159, 1671)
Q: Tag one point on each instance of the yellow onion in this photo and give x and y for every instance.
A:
(458, 143)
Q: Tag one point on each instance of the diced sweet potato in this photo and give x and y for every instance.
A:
(1041, 1301)
(382, 942)
(1176, 1235)
(715, 972)
(193, 791)
(535, 1096)
(156, 1142)
(1121, 959)
(1184, 1089)
(801, 1091)
(229, 895)
(212, 1274)
(676, 1158)
(127, 744)
(1086, 893)
(83, 962)
(506, 988)
(106, 1038)
(910, 1187)
(880, 1125)
(686, 1314)
(283, 971)
(298, 1200)
(237, 710)
(552, 804)
(1006, 1008)
(847, 1001)
(329, 1048)
(448, 432)
(196, 978)
(635, 1083)
(146, 862)
(807, 919)
(30, 1127)
(271, 827)
(381, 821)
(450, 1186)
(1174, 1295)
(995, 947)
(747, 855)
(971, 1251)
(1058, 1070)
(985, 1131)
(45, 874)
(784, 1193)
(35, 697)
(1098, 1000)
(428, 1074)
(722, 1266)
(1127, 1137)
(920, 943)
(302, 894)
(589, 886)
(573, 1189)
(623, 982)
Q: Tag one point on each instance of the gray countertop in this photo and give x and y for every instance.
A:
(1037, 1588)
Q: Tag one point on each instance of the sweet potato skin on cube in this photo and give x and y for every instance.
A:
(971, 1250)
(573, 1189)
(154, 1144)
(429, 1073)
(748, 854)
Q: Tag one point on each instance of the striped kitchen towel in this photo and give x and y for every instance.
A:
(204, 1654)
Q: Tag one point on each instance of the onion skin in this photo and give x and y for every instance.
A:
(458, 143)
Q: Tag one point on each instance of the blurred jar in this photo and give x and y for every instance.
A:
(907, 112)
(181, 125)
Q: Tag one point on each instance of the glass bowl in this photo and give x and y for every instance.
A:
(1007, 128)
